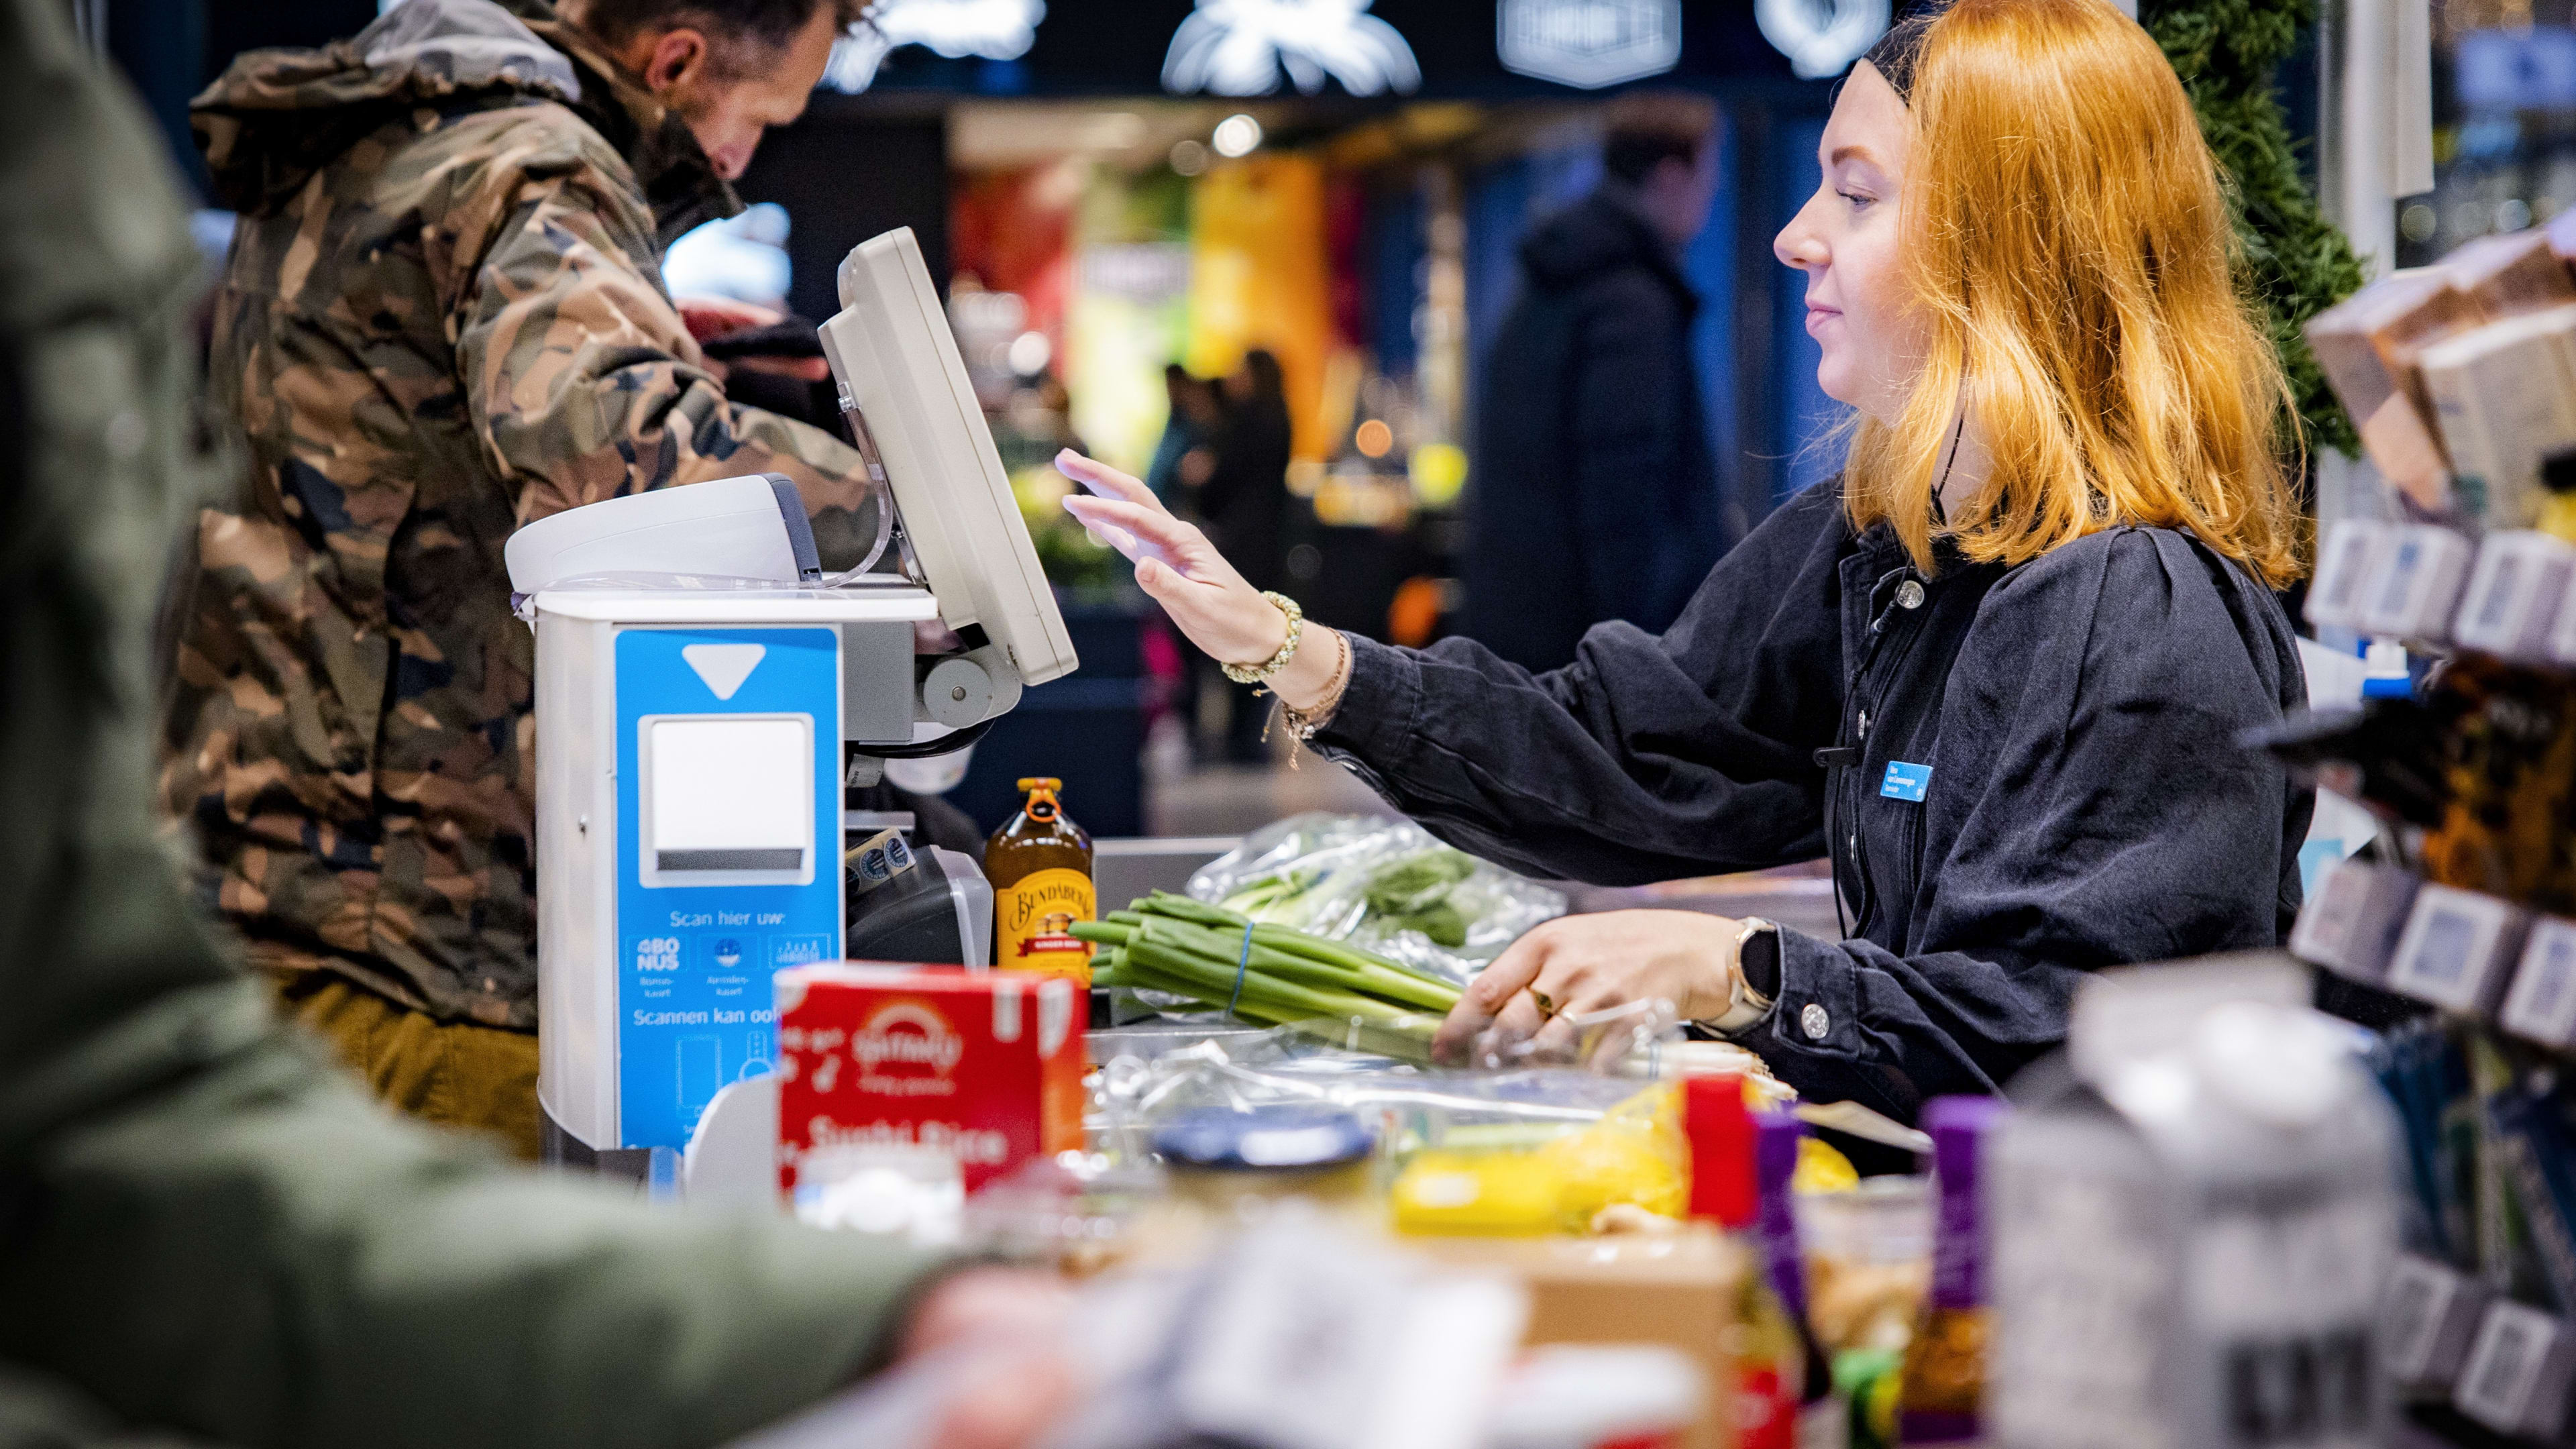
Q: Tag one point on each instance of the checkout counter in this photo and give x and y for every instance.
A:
(704, 695)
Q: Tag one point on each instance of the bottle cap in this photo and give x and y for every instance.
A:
(2558, 471)
(1721, 1135)
(1264, 1139)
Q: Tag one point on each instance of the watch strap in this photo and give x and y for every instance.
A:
(1757, 975)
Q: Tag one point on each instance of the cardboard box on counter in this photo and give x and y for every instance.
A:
(1684, 1291)
(2369, 345)
(985, 1066)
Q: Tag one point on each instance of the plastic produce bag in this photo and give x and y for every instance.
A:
(1386, 885)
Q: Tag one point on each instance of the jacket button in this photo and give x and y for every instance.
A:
(1813, 1021)
(1909, 595)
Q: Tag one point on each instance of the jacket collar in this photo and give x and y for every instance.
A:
(680, 183)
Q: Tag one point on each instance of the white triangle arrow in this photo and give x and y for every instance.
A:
(724, 666)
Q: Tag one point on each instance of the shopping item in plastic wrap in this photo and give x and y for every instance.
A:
(1387, 885)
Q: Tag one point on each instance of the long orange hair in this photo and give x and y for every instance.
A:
(2066, 233)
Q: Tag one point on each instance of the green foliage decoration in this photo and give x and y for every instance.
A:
(2296, 263)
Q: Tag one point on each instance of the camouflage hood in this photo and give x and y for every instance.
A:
(277, 116)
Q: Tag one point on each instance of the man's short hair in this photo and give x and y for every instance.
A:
(763, 27)
(1648, 128)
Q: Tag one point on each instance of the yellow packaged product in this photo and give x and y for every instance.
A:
(1632, 1157)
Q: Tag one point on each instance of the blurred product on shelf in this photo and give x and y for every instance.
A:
(1943, 1394)
(2370, 345)
(2504, 396)
(2193, 1218)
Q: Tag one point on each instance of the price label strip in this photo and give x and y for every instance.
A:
(2518, 1372)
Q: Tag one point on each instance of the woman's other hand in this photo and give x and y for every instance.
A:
(1177, 566)
(1576, 965)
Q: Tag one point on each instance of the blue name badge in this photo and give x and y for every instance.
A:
(1905, 782)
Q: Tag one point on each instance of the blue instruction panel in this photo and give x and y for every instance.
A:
(728, 855)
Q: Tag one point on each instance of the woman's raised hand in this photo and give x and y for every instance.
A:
(1175, 564)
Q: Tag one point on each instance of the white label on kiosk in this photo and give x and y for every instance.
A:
(728, 799)
(2458, 948)
(2345, 566)
(2418, 589)
(2541, 1006)
(2514, 594)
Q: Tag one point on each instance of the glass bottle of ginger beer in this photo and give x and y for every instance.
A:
(1040, 865)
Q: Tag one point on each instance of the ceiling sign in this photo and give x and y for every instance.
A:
(1821, 37)
(993, 29)
(1239, 48)
(1588, 43)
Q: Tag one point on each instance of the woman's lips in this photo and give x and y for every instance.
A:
(1816, 315)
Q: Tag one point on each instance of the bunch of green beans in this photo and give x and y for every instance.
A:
(1171, 943)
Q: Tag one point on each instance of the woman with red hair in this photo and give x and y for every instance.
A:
(1995, 671)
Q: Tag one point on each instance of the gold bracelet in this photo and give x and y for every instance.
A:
(1257, 673)
(1303, 723)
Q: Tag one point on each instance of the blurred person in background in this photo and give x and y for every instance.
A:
(1596, 493)
(205, 1230)
(1244, 507)
(444, 317)
(1182, 458)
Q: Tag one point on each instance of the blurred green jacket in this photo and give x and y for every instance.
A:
(203, 1229)
(443, 317)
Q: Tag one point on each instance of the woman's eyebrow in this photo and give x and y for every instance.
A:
(1852, 152)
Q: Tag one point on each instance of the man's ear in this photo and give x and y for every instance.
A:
(679, 56)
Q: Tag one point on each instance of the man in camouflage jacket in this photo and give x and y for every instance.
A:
(443, 318)
(208, 1235)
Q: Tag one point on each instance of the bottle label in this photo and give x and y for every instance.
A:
(1766, 1408)
(1033, 923)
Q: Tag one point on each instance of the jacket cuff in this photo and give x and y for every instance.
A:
(1374, 719)
(1818, 1010)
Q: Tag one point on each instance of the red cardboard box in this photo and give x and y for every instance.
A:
(986, 1065)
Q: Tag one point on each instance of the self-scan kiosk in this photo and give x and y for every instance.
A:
(703, 691)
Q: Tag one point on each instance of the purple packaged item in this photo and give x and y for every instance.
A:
(1775, 1162)
(1958, 1126)
(1941, 1400)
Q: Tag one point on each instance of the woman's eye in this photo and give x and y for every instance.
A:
(1858, 199)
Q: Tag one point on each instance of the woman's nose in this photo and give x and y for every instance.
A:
(1799, 244)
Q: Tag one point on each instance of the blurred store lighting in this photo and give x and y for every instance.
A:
(1374, 438)
(1030, 353)
(1239, 48)
(1236, 135)
(1589, 43)
(1821, 37)
(1109, 131)
(1438, 472)
(744, 258)
(1189, 158)
(993, 29)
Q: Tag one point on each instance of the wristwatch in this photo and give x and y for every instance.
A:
(1757, 976)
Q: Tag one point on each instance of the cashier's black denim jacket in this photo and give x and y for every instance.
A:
(2086, 804)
